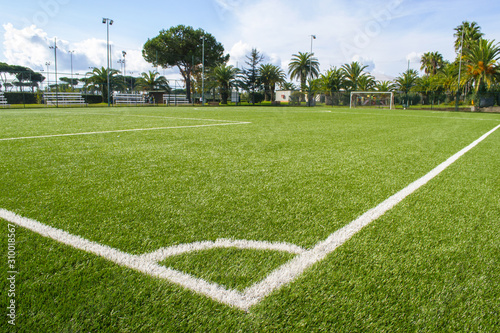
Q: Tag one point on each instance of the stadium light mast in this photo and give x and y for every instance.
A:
(71, 54)
(48, 77)
(310, 70)
(124, 64)
(55, 67)
(459, 69)
(108, 22)
(203, 71)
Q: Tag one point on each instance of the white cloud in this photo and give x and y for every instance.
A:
(414, 57)
(30, 47)
(26, 47)
(238, 54)
(365, 62)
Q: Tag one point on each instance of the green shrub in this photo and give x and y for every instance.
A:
(20, 97)
(92, 99)
(295, 98)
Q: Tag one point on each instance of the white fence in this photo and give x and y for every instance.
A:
(63, 98)
(3, 100)
(129, 99)
(175, 99)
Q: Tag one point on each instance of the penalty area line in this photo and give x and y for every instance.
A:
(119, 131)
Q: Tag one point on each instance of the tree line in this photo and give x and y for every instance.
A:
(203, 64)
(474, 71)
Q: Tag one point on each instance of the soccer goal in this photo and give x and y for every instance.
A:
(377, 99)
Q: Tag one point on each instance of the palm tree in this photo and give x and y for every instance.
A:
(270, 75)
(153, 81)
(287, 86)
(99, 79)
(482, 59)
(303, 66)
(471, 32)
(431, 62)
(352, 73)
(384, 86)
(405, 81)
(366, 82)
(332, 81)
(226, 77)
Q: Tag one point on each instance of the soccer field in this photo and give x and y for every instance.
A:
(241, 219)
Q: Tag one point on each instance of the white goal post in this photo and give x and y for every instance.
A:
(381, 99)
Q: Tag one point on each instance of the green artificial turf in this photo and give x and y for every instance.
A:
(233, 268)
(291, 175)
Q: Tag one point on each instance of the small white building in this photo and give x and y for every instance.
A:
(283, 95)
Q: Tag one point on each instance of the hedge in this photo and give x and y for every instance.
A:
(20, 97)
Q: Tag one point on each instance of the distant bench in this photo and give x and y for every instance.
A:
(63, 98)
(129, 99)
(3, 100)
(175, 99)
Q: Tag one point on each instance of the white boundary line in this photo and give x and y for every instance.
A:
(119, 131)
(285, 274)
(120, 115)
(410, 115)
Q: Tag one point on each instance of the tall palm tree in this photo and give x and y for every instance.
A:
(448, 77)
(471, 32)
(303, 66)
(287, 86)
(352, 73)
(153, 81)
(405, 81)
(332, 81)
(384, 86)
(482, 59)
(431, 62)
(99, 79)
(270, 75)
(226, 77)
(366, 82)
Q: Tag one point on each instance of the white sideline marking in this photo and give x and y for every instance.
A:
(148, 263)
(148, 116)
(411, 115)
(119, 131)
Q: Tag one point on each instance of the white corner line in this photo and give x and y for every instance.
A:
(285, 274)
(163, 253)
(296, 266)
(120, 131)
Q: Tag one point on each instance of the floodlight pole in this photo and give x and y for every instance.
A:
(71, 54)
(459, 70)
(108, 22)
(48, 77)
(55, 67)
(124, 66)
(203, 72)
(310, 71)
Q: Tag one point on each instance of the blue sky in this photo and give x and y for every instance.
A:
(381, 34)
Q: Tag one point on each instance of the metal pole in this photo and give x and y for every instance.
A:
(48, 76)
(107, 49)
(55, 67)
(310, 71)
(71, 54)
(459, 70)
(203, 73)
(124, 65)
(108, 22)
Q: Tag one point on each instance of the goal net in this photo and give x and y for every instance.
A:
(374, 99)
